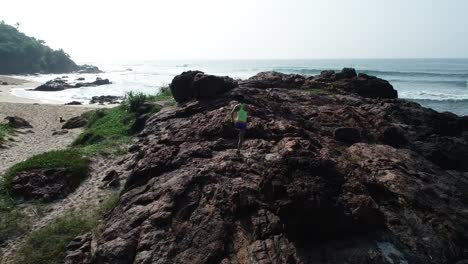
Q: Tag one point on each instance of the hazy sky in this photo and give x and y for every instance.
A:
(245, 29)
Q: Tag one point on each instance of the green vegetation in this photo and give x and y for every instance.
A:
(12, 223)
(48, 244)
(22, 54)
(134, 100)
(68, 158)
(107, 132)
(5, 130)
(164, 94)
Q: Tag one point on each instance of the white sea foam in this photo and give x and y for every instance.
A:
(435, 80)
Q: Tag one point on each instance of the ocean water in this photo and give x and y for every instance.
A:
(441, 84)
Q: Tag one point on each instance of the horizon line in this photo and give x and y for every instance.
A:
(279, 59)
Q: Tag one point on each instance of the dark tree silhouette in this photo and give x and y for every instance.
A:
(22, 54)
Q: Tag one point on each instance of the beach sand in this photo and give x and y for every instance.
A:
(43, 117)
(6, 96)
(26, 143)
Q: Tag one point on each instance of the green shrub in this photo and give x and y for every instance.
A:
(5, 130)
(107, 132)
(68, 158)
(48, 244)
(134, 100)
(12, 223)
(164, 94)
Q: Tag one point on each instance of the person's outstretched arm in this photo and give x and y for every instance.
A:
(234, 110)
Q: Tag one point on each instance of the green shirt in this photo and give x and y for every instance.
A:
(241, 115)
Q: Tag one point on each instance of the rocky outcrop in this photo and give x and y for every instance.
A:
(74, 103)
(54, 85)
(17, 122)
(79, 250)
(86, 68)
(274, 80)
(106, 99)
(75, 122)
(346, 81)
(302, 192)
(59, 84)
(198, 85)
(46, 184)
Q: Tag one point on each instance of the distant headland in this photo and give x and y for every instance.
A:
(21, 54)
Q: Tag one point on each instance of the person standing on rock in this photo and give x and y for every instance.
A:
(239, 116)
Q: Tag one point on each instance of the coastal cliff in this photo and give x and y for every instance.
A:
(21, 54)
(334, 169)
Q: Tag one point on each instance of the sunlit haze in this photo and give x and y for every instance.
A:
(245, 29)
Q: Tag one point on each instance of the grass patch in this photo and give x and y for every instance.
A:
(5, 130)
(134, 100)
(164, 94)
(48, 244)
(107, 132)
(13, 223)
(110, 131)
(68, 158)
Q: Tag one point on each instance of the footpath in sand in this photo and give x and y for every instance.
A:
(44, 119)
(26, 143)
(39, 139)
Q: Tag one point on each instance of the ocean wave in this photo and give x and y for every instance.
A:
(457, 83)
(415, 74)
(462, 101)
(304, 71)
(434, 96)
(309, 71)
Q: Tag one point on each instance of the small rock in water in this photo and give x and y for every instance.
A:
(109, 99)
(89, 69)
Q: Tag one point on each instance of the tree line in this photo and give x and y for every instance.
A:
(21, 54)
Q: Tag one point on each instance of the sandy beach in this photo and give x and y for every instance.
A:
(43, 117)
(6, 96)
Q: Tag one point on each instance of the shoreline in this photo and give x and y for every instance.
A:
(5, 90)
(6, 95)
(44, 117)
